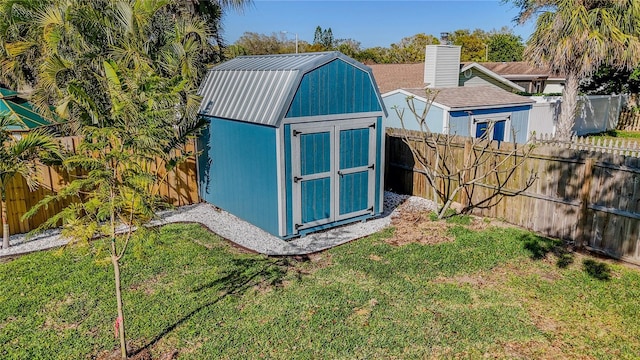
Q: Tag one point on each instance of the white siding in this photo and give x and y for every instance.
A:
(442, 66)
(553, 87)
(477, 78)
(543, 117)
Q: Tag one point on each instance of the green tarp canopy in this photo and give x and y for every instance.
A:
(20, 109)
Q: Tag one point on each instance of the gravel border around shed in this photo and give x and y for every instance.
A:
(245, 234)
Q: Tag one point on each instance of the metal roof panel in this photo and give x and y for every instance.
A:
(259, 89)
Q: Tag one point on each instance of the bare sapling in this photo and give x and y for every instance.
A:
(456, 167)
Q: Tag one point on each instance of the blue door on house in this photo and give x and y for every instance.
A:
(498, 129)
(333, 172)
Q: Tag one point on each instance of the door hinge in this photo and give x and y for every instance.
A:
(373, 125)
(296, 179)
(370, 209)
(298, 226)
(372, 166)
(296, 132)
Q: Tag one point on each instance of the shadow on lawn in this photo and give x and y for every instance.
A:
(245, 274)
(540, 246)
(596, 269)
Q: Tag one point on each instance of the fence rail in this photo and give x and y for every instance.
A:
(180, 188)
(580, 195)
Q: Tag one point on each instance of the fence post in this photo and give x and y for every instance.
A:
(582, 236)
(465, 201)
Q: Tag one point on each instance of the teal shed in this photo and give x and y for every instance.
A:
(14, 106)
(294, 142)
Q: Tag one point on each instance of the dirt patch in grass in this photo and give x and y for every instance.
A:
(309, 264)
(362, 314)
(479, 224)
(417, 227)
(536, 350)
(143, 354)
(476, 281)
(499, 276)
(148, 286)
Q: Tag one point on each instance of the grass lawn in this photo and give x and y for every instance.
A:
(618, 135)
(497, 292)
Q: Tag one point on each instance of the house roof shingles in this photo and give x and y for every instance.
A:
(397, 76)
(410, 78)
(460, 98)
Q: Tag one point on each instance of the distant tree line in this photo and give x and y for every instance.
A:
(477, 45)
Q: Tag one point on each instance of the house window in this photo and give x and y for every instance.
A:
(492, 128)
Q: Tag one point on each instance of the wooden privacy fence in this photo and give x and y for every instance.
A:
(629, 120)
(180, 188)
(583, 196)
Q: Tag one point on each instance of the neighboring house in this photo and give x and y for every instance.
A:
(530, 78)
(11, 104)
(509, 76)
(463, 110)
(474, 74)
(294, 143)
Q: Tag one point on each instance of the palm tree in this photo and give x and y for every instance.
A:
(18, 157)
(575, 37)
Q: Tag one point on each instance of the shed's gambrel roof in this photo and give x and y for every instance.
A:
(259, 89)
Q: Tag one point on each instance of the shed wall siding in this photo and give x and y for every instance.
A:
(480, 79)
(459, 123)
(520, 124)
(334, 88)
(238, 171)
(434, 117)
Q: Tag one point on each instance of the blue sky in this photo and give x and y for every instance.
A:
(373, 23)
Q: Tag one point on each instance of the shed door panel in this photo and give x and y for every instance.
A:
(333, 171)
(315, 170)
(356, 176)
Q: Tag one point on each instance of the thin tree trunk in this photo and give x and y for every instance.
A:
(5, 224)
(120, 320)
(568, 108)
(115, 260)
